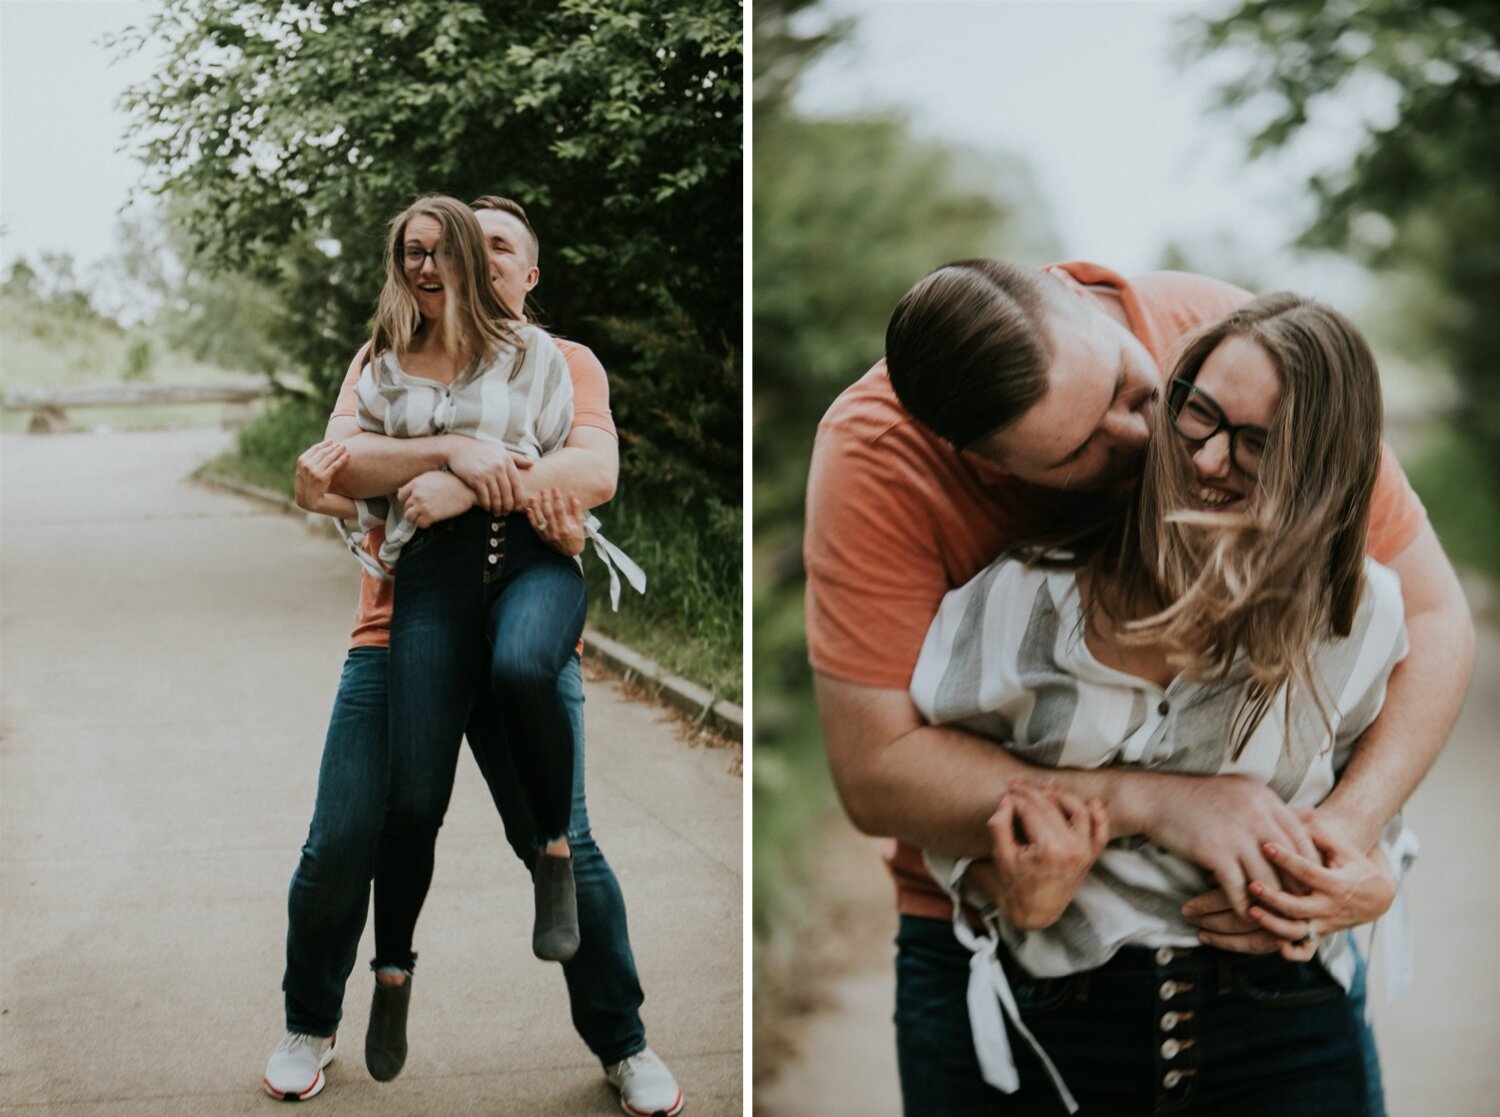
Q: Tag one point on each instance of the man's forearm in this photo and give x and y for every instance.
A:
(580, 470)
(379, 464)
(1423, 698)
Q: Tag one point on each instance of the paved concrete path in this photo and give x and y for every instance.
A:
(1438, 1043)
(169, 658)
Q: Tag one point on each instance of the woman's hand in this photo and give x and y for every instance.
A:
(1045, 841)
(316, 469)
(434, 496)
(1347, 888)
(558, 519)
(490, 471)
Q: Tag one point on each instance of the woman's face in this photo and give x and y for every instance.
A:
(422, 247)
(1238, 381)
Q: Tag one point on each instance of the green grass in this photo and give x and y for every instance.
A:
(1452, 478)
(690, 617)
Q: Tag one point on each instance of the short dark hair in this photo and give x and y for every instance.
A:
(967, 349)
(512, 207)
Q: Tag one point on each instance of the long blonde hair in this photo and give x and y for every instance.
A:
(1272, 579)
(475, 321)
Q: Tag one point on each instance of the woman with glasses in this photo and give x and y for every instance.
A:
(481, 600)
(1226, 621)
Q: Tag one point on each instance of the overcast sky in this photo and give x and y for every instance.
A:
(1120, 140)
(62, 179)
(1119, 137)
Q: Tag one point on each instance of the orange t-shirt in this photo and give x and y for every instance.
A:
(896, 517)
(372, 620)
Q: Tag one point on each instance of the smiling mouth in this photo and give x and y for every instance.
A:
(430, 288)
(1216, 498)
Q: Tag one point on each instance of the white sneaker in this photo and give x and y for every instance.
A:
(647, 1088)
(294, 1072)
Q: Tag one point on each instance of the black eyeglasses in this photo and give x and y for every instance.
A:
(1197, 418)
(415, 254)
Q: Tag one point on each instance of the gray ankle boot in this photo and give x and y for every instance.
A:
(385, 1039)
(554, 936)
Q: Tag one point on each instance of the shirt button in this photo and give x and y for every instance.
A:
(1168, 990)
(494, 559)
(1164, 955)
(1164, 708)
(1170, 1049)
(1169, 1021)
(1171, 1078)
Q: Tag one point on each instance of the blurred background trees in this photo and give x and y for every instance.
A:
(1415, 87)
(847, 214)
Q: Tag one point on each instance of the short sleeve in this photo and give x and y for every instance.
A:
(874, 575)
(590, 386)
(1396, 512)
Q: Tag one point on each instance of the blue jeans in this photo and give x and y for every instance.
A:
(330, 891)
(482, 607)
(1257, 1035)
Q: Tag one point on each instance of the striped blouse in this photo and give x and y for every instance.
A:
(1006, 658)
(522, 399)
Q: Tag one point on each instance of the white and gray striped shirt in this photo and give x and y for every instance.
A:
(1006, 658)
(521, 399)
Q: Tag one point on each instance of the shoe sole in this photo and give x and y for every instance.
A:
(671, 1111)
(317, 1085)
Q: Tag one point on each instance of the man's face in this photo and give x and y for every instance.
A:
(1090, 429)
(513, 268)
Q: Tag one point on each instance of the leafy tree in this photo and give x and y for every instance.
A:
(292, 133)
(1422, 190)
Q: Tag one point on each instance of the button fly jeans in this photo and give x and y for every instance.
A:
(1182, 1032)
(329, 897)
(482, 607)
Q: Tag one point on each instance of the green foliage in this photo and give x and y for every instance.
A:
(267, 447)
(617, 125)
(690, 619)
(1465, 515)
(140, 358)
(1422, 192)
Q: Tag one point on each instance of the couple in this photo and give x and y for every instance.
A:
(1149, 673)
(457, 434)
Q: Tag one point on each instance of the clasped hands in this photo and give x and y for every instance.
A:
(1277, 895)
(482, 474)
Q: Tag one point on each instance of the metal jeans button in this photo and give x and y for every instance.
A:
(1168, 990)
(1170, 1021)
(1170, 1048)
(494, 542)
(494, 559)
(495, 525)
(1165, 955)
(1171, 1078)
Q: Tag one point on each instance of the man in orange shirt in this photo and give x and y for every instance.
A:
(1025, 391)
(442, 477)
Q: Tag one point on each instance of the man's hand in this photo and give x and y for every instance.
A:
(558, 520)
(434, 497)
(490, 470)
(1222, 823)
(316, 469)
(1345, 888)
(1046, 840)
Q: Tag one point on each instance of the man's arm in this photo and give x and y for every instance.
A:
(936, 787)
(588, 464)
(1423, 698)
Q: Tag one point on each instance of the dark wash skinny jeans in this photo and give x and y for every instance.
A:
(330, 891)
(1255, 1036)
(482, 607)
